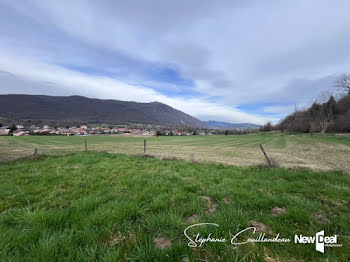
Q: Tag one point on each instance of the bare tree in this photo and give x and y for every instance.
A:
(343, 83)
(322, 111)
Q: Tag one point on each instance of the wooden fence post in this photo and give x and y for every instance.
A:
(266, 156)
(144, 146)
(35, 154)
(85, 145)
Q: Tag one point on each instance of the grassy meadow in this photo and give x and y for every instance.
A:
(331, 152)
(97, 206)
(113, 204)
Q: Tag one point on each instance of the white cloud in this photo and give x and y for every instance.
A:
(281, 110)
(227, 48)
(235, 52)
(45, 77)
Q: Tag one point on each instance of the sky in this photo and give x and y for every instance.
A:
(233, 61)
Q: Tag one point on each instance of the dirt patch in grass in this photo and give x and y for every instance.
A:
(162, 242)
(260, 227)
(227, 200)
(278, 211)
(192, 218)
(320, 218)
(211, 205)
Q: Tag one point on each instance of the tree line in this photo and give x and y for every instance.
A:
(326, 114)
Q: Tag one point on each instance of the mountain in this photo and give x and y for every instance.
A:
(61, 110)
(224, 125)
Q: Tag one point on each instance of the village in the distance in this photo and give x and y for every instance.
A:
(20, 130)
(141, 130)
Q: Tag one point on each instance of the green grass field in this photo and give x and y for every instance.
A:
(331, 152)
(92, 206)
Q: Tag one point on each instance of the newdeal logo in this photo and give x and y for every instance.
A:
(319, 239)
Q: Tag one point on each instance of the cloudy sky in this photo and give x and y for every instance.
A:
(234, 61)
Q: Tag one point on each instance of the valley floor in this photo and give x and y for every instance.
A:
(331, 152)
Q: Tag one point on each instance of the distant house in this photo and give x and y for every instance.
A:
(149, 133)
(83, 127)
(121, 130)
(4, 132)
(107, 130)
(20, 133)
(63, 131)
(45, 131)
(135, 131)
(80, 131)
(19, 126)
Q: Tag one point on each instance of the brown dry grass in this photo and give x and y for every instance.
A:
(293, 151)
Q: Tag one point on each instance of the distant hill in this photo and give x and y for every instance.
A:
(224, 125)
(61, 110)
